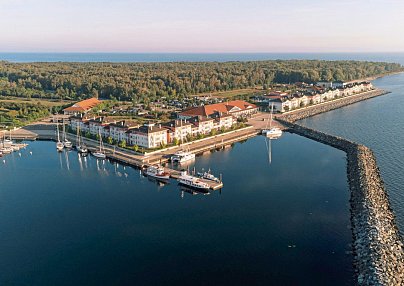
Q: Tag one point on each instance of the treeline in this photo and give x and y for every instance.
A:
(18, 114)
(144, 82)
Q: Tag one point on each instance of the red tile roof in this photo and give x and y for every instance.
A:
(83, 106)
(225, 107)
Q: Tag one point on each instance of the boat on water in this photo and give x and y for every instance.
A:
(80, 146)
(208, 176)
(156, 172)
(192, 182)
(100, 153)
(66, 142)
(272, 132)
(59, 144)
(6, 145)
(182, 156)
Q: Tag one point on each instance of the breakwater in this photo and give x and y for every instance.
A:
(329, 105)
(377, 245)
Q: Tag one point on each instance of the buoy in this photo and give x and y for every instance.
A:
(126, 175)
(19, 154)
(124, 168)
(30, 152)
(4, 161)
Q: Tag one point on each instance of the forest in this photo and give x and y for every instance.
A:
(146, 82)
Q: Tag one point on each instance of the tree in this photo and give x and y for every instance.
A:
(135, 148)
(176, 142)
(122, 143)
(110, 140)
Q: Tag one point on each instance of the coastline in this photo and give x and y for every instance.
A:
(377, 244)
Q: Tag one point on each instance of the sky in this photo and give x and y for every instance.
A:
(201, 26)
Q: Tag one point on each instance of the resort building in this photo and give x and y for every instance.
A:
(118, 130)
(82, 107)
(237, 108)
(148, 136)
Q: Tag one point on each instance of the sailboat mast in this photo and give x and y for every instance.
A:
(272, 110)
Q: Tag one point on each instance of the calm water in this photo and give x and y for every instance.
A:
(377, 123)
(65, 221)
(192, 57)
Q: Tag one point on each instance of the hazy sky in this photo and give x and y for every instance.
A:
(201, 25)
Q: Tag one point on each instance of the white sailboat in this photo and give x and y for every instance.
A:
(80, 146)
(66, 142)
(59, 144)
(272, 132)
(100, 154)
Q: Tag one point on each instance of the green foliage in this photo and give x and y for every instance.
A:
(135, 148)
(176, 141)
(110, 140)
(122, 143)
(146, 82)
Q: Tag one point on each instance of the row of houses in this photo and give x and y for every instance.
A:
(155, 135)
(283, 102)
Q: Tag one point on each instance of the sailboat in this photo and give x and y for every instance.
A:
(272, 132)
(80, 146)
(66, 142)
(100, 154)
(59, 145)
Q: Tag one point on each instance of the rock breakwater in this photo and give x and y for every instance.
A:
(377, 245)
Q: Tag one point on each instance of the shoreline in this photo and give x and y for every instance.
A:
(377, 243)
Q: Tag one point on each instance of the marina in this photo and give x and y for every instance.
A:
(134, 217)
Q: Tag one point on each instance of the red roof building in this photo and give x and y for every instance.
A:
(236, 108)
(82, 107)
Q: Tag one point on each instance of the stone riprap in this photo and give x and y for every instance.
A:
(312, 110)
(377, 244)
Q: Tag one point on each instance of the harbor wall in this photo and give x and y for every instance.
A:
(309, 111)
(377, 244)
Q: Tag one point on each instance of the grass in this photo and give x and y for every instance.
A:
(45, 102)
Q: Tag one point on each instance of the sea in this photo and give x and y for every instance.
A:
(194, 57)
(282, 217)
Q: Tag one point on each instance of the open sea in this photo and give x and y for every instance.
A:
(194, 57)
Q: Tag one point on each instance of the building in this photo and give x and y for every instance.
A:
(119, 130)
(178, 129)
(237, 108)
(81, 107)
(148, 136)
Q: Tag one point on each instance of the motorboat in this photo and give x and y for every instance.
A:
(156, 172)
(208, 176)
(193, 182)
(182, 156)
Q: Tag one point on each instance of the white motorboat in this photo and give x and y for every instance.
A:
(6, 150)
(193, 182)
(182, 156)
(157, 172)
(208, 176)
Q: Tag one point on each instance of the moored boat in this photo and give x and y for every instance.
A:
(182, 156)
(193, 182)
(100, 153)
(272, 132)
(208, 176)
(156, 172)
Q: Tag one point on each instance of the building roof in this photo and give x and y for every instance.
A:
(148, 129)
(224, 107)
(84, 105)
